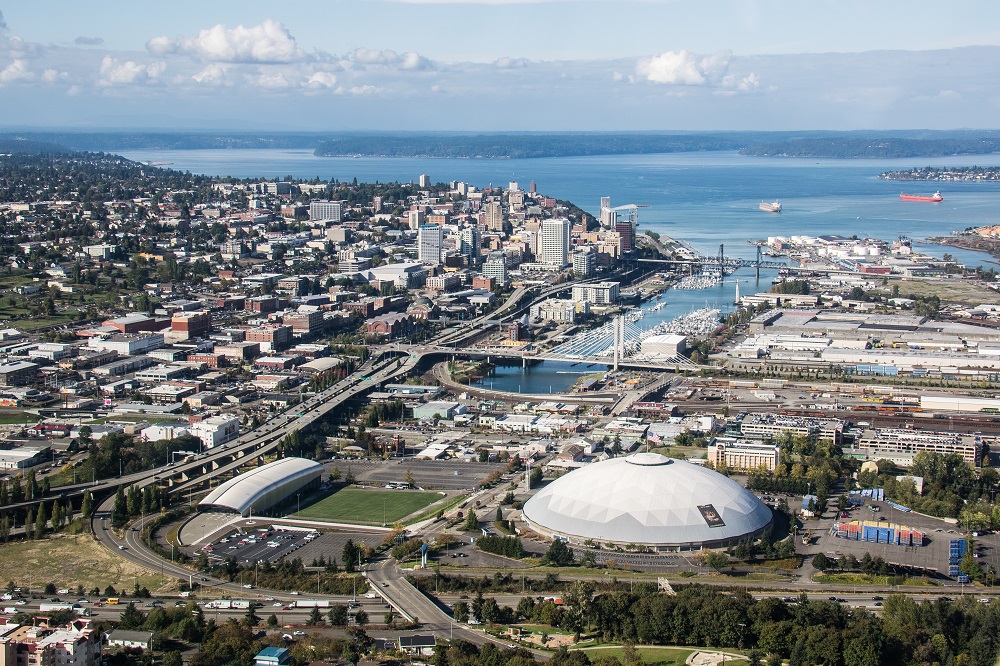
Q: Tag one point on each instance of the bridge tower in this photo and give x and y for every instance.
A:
(722, 261)
(615, 342)
(759, 259)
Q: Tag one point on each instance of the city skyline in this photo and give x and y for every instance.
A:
(500, 65)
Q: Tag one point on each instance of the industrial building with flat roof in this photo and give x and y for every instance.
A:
(889, 443)
(265, 487)
(757, 425)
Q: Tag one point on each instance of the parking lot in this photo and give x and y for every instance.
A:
(258, 545)
(427, 474)
(330, 546)
(932, 556)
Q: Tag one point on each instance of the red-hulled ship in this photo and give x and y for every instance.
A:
(921, 197)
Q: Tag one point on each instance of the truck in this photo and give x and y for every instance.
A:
(49, 607)
(312, 603)
(219, 604)
(10, 610)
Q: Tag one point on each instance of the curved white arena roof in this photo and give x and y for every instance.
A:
(263, 487)
(647, 499)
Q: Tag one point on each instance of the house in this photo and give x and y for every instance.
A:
(273, 656)
(131, 639)
(417, 644)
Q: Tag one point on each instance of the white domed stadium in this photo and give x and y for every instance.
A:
(648, 499)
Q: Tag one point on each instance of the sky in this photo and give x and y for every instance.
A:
(500, 65)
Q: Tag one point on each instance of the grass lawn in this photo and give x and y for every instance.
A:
(69, 561)
(869, 579)
(354, 505)
(15, 417)
(650, 655)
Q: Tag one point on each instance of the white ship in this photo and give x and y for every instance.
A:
(772, 207)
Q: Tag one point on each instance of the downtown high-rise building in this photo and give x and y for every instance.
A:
(494, 216)
(430, 239)
(495, 267)
(469, 245)
(555, 242)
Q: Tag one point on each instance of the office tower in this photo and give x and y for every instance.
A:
(430, 238)
(469, 245)
(555, 242)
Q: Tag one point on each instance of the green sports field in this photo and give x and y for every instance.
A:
(355, 505)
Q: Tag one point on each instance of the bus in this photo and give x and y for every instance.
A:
(112, 601)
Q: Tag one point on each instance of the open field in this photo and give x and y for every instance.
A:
(69, 561)
(668, 656)
(949, 291)
(354, 505)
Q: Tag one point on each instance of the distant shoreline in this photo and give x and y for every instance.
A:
(869, 144)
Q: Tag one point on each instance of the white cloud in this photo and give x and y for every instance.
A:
(414, 61)
(88, 41)
(363, 90)
(684, 68)
(270, 80)
(322, 80)
(54, 76)
(114, 72)
(212, 75)
(510, 63)
(389, 58)
(16, 71)
(269, 42)
(375, 56)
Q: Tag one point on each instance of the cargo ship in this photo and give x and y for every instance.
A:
(773, 207)
(921, 197)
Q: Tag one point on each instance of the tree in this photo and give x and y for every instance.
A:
(461, 611)
(716, 560)
(408, 477)
(559, 554)
(350, 556)
(337, 615)
(250, 617)
(173, 658)
(471, 521)
(272, 621)
(315, 617)
(119, 514)
(361, 618)
(40, 520)
(822, 562)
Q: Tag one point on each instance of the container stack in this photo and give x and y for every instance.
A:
(872, 531)
(956, 551)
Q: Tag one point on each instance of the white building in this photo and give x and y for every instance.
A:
(160, 431)
(670, 344)
(601, 293)
(430, 239)
(469, 245)
(128, 345)
(325, 210)
(584, 263)
(495, 267)
(216, 430)
(555, 242)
